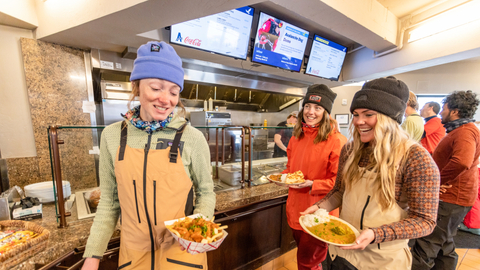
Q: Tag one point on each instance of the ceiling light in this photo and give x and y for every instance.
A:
(449, 19)
(361, 83)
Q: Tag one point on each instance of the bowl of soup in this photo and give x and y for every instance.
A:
(335, 231)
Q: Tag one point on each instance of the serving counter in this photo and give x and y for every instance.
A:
(257, 231)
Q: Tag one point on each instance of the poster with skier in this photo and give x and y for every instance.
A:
(279, 44)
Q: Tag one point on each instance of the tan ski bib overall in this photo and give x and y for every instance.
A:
(362, 209)
(153, 187)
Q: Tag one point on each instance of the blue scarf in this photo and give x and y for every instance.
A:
(133, 116)
(457, 123)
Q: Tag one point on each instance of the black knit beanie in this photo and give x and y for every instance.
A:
(388, 96)
(321, 95)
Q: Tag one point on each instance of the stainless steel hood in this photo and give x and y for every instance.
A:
(236, 89)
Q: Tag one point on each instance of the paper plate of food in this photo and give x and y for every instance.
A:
(329, 229)
(287, 179)
(196, 233)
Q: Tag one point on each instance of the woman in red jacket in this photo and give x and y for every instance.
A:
(314, 149)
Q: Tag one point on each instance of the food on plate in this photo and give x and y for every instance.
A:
(93, 197)
(276, 177)
(197, 230)
(12, 239)
(329, 229)
(295, 178)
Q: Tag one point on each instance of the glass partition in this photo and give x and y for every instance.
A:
(230, 146)
(78, 155)
(263, 153)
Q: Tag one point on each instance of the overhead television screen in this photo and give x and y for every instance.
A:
(279, 44)
(226, 33)
(326, 58)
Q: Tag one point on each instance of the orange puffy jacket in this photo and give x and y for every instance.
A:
(319, 163)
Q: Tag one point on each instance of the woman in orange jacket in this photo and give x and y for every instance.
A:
(314, 149)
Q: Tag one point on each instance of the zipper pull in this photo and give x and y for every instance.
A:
(147, 145)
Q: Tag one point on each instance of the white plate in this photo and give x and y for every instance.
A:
(355, 231)
(282, 183)
(44, 191)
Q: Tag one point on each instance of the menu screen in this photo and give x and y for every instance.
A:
(326, 58)
(226, 33)
(279, 44)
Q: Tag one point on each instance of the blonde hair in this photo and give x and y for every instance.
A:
(412, 101)
(136, 93)
(390, 146)
(327, 126)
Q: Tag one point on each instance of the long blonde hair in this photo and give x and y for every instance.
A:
(390, 146)
(136, 93)
(327, 126)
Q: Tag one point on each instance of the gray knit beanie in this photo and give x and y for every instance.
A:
(388, 96)
(321, 95)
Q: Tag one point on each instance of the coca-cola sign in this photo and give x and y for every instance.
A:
(191, 41)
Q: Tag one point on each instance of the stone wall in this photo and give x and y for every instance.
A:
(57, 87)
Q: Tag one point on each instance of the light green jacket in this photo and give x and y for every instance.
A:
(413, 125)
(196, 160)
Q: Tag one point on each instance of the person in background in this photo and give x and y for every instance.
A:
(433, 128)
(282, 136)
(457, 158)
(413, 123)
(387, 185)
(150, 165)
(471, 222)
(314, 149)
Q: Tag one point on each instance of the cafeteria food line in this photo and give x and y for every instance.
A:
(227, 175)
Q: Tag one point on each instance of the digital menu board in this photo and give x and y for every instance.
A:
(326, 58)
(226, 33)
(279, 44)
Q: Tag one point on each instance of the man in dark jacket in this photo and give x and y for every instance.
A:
(457, 158)
(282, 136)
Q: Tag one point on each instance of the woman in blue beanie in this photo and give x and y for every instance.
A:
(150, 165)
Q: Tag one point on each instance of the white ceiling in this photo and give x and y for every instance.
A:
(402, 8)
(146, 20)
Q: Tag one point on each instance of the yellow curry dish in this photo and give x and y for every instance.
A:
(334, 231)
(328, 228)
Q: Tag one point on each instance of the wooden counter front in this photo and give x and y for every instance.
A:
(257, 232)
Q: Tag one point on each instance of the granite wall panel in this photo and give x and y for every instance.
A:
(57, 87)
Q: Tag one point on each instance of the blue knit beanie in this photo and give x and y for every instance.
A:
(158, 60)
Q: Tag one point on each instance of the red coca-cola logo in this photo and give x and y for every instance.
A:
(191, 41)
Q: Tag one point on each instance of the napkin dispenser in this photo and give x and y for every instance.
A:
(14, 194)
(4, 209)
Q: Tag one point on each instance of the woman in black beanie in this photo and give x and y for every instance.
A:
(314, 150)
(387, 185)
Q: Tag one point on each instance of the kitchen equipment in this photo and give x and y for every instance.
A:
(214, 119)
(13, 194)
(210, 119)
(114, 101)
(260, 139)
(44, 191)
(231, 174)
(4, 182)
